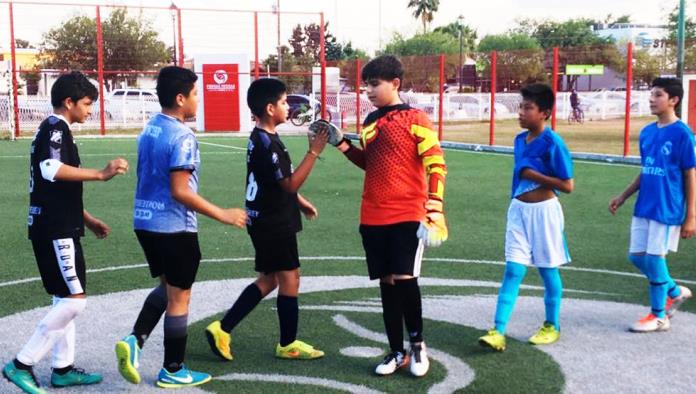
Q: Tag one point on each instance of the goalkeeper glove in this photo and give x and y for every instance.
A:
(335, 135)
(433, 230)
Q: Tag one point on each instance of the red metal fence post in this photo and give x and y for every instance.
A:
(256, 45)
(441, 97)
(358, 123)
(629, 85)
(554, 85)
(100, 72)
(322, 63)
(15, 87)
(181, 38)
(494, 76)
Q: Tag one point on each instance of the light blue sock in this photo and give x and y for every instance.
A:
(553, 291)
(509, 289)
(656, 268)
(639, 261)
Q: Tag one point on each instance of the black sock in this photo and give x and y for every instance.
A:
(153, 308)
(174, 341)
(393, 316)
(63, 371)
(19, 365)
(409, 294)
(247, 301)
(288, 313)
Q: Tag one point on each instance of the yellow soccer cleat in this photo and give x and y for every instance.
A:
(219, 340)
(494, 340)
(546, 335)
(298, 350)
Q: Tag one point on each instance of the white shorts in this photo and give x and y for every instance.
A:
(534, 234)
(652, 237)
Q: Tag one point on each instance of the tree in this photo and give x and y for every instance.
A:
(130, 44)
(611, 20)
(689, 38)
(645, 67)
(507, 42)
(520, 59)
(577, 41)
(19, 43)
(454, 29)
(424, 10)
(432, 43)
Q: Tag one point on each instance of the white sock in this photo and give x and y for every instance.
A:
(50, 329)
(64, 348)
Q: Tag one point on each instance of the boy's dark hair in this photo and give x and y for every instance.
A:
(172, 81)
(385, 67)
(540, 94)
(673, 87)
(262, 92)
(73, 85)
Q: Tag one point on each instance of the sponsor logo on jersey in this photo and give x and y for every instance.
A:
(56, 136)
(666, 148)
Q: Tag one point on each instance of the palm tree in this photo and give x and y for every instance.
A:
(424, 9)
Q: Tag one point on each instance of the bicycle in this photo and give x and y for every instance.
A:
(576, 115)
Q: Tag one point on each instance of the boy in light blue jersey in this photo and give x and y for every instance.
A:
(164, 219)
(535, 223)
(666, 205)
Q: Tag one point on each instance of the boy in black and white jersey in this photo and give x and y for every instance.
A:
(273, 206)
(56, 222)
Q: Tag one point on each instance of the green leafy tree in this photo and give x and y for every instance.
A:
(646, 67)
(129, 44)
(454, 29)
(689, 38)
(577, 42)
(20, 43)
(424, 10)
(432, 43)
(520, 59)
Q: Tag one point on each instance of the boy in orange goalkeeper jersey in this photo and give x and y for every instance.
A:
(402, 207)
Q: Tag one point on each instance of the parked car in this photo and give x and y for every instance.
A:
(132, 103)
(472, 106)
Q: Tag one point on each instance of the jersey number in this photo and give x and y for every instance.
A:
(252, 188)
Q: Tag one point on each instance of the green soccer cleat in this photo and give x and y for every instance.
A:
(494, 340)
(546, 335)
(75, 377)
(181, 378)
(22, 378)
(128, 353)
(219, 341)
(298, 350)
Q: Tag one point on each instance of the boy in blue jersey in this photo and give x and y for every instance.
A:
(666, 205)
(164, 219)
(535, 224)
(273, 204)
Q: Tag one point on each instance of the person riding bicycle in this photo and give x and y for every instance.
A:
(575, 103)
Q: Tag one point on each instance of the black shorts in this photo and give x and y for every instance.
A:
(174, 255)
(275, 253)
(61, 265)
(392, 249)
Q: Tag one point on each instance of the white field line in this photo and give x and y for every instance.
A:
(350, 258)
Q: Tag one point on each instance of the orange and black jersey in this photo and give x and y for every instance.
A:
(403, 162)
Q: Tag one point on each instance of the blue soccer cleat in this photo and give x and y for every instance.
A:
(181, 378)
